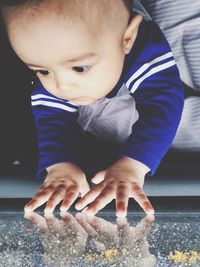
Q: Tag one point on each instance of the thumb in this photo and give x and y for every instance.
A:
(99, 177)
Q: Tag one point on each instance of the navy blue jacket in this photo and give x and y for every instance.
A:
(152, 78)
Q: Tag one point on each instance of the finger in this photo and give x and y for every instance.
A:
(105, 197)
(144, 226)
(82, 220)
(54, 224)
(55, 198)
(84, 189)
(99, 177)
(39, 199)
(139, 195)
(100, 247)
(89, 197)
(36, 220)
(70, 197)
(69, 219)
(123, 229)
(150, 218)
(122, 197)
(121, 222)
(102, 227)
(71, 224)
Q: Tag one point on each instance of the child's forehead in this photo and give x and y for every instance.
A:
(98, 12)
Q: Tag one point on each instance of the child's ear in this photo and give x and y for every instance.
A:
(131, 33)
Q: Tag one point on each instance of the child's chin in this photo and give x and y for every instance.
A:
(83, 102)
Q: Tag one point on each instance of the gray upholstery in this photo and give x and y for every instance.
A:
(180, 22)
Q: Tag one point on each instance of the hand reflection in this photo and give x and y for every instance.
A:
(119, 242)
(64, 240)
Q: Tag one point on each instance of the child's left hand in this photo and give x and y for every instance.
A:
(123, 180)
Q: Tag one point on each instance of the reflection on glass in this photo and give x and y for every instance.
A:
(92, 240)
(171, 240)
(63, 239)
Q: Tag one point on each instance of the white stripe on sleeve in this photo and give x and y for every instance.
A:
(54, 105)
(146, 66)
(151, 72)
(39, 96)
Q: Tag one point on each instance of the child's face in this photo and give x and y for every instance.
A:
(74, 61)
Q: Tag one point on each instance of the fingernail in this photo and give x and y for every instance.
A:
(121, 214)
(48, 211)
(84, 210)
(89, 213)
(63, 213)
(77, 207)
(62, 209)
(28, 214)
(28, 209)
(150, 212)
(48, 215)
(150, 217)
(121, 221)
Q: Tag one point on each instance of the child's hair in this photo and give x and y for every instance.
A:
(128, 3)
(16, 2)
(115, 19)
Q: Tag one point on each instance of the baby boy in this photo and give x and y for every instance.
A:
(107, 97)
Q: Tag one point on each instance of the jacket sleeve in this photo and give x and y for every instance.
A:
(57, 129)
(159, 97)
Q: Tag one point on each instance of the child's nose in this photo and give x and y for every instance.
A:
(65, 85)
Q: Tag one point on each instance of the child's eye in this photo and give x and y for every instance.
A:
(43, 72)
(81, 68)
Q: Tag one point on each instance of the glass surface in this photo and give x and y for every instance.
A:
(69, 239)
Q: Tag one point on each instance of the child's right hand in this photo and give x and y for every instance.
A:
(63, 183)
